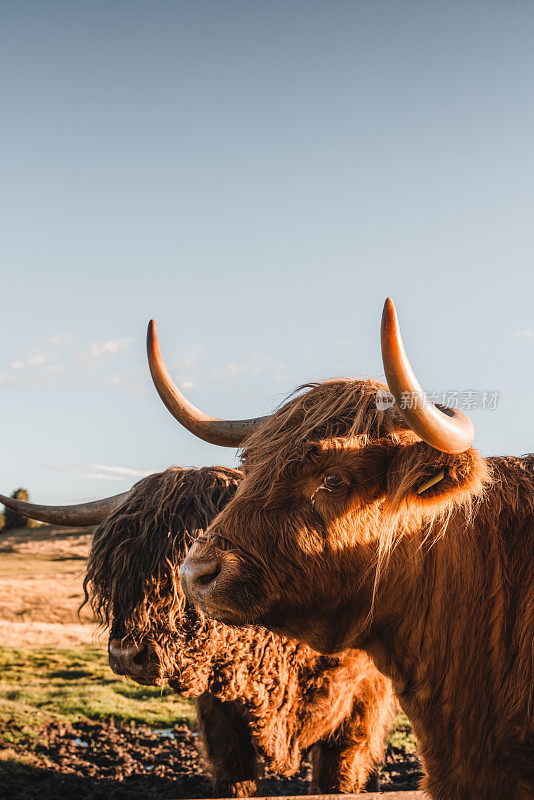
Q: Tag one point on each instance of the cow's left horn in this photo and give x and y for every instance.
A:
(228, 433)
(446, 429)
(80, 515)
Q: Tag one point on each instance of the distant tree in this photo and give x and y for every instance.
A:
(14, 520)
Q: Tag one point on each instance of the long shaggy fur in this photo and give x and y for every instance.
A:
(259, 694)
(437, 587)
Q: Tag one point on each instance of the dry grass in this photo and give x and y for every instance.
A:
(41, 572)
(48, 634)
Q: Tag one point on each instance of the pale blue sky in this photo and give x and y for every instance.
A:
(257, 176)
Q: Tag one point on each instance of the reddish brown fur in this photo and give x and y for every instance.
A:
(437, 587)
(258, 694)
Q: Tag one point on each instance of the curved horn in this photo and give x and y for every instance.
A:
(82, 514)
(446, 429)
(228, 433)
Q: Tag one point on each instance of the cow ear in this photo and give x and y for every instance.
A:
(429, 481)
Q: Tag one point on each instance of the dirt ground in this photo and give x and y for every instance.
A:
(99, 760)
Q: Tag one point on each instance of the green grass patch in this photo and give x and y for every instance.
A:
(43, 684)
(402, 739)
(39, 685)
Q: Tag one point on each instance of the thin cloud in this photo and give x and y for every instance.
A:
(112, 347)
(256, 364)
(99, 471)
(61, 338)
(130, 379)
(45, 360)
(22, 379)
(30, 362)
(117, 380)
(193, 354)
(121, 378)
(47, 364)
(527, 334)
(231, 369)
(32, 369)
(141, 473)
(259, 364)
(55, 368)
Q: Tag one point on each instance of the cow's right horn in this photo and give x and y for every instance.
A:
(228, 433)
(445, 429)
(79, 515)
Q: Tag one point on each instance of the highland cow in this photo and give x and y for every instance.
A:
(367, 520)
(366, 523)
(257, 694)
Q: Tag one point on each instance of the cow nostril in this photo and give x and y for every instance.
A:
(198, 576)
(128, 659)
(208, 573)
(141, 658)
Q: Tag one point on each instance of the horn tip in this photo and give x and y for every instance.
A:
(389, 316)
(389, 307)
(151, 335)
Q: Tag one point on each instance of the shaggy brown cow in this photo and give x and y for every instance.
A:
(364, 524)
(257, 694)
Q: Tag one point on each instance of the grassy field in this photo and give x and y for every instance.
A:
(41, 573)
(53, 663)
(39, 685)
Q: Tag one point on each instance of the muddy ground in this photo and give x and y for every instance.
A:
(100, 761)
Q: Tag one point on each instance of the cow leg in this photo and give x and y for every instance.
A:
(227, 745)
(337, 769)
(345, 761)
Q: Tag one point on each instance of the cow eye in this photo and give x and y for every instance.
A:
(333, 481)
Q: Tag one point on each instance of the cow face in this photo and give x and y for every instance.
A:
(132, 577)
(333, 488)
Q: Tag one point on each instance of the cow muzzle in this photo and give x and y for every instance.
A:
(213, 580)
(126, 658)
(199, 579)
